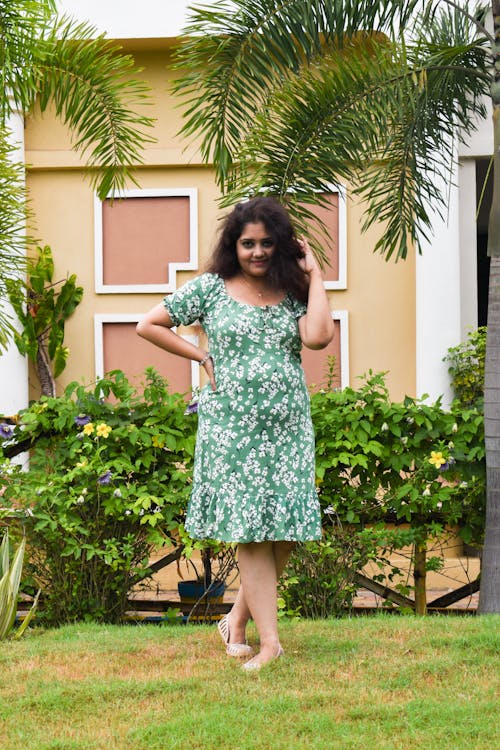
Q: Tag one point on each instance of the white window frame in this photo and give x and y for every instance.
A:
(171, 268)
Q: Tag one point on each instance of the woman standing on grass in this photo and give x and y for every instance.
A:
(254, 478)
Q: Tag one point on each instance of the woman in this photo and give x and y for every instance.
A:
(254, 481)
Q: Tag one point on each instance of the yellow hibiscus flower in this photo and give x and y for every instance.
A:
(103, 430)
(88, 429)
(437, 459)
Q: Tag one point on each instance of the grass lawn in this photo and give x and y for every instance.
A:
(381, 682)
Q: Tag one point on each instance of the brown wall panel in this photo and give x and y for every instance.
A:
(315, 362)
(141, 236)
(125, 350)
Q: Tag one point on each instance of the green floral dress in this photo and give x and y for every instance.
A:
(254, 476)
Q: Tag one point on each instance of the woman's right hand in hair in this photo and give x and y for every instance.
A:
(308, 263)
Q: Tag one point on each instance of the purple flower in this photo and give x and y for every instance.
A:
(82, 419)
(192, 408)
(105, 478)
(6, 430)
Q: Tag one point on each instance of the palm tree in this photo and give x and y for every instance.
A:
(46, 61)
(291, 97)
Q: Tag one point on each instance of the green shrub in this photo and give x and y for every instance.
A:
(466, 367)
(108, 480)
(407, 471)
(377, 460)
(319, 580)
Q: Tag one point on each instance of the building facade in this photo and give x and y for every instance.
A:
(128, 253)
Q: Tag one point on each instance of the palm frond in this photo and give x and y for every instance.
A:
(443, 90)
(91, 82)
(379, 115)
(95, 92)
(232, 55)
(22, 24)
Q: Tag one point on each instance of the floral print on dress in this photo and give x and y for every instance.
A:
(254, 474)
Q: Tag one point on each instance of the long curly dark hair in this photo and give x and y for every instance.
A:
(284, 271)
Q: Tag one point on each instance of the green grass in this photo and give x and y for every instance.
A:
(381, 682)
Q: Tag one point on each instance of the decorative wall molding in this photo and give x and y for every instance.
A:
(171, 268)
(341, 240)
(343, 317)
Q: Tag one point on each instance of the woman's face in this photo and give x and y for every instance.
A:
(254, 249)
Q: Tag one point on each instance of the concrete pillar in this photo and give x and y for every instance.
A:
(438, 298)
(14, 367)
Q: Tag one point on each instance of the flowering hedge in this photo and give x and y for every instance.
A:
(397, 474)
(110, 476)
(108, 480)
(413, 462)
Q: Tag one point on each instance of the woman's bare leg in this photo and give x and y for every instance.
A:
(260, 565)
(240, 613)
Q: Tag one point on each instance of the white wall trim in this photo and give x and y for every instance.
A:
(468, 246)
(341, 282)
(100, 319)
(343, 317)
(171, 268)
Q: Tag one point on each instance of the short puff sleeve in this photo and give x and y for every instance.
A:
(298, 309)
(187, 304)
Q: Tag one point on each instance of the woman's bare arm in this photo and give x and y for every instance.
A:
(316, 326)
(156, 327)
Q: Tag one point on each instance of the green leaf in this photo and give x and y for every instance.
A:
(10, 576)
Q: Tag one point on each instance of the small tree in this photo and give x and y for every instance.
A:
(42, 308)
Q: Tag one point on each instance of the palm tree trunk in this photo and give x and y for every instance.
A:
(489, 598)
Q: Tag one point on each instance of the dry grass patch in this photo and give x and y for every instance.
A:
(385, 682)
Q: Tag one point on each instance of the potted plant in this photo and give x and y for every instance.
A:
(203, 595)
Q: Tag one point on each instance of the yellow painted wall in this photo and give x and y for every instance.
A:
(380, 297)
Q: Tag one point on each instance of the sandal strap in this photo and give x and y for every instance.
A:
(223, 628)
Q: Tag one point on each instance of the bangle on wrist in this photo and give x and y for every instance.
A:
(205, 359)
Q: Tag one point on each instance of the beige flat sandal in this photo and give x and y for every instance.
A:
(232, 649)
(254, 665)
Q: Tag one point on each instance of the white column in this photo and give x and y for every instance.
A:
(438, 299)
(14, 367)
(468, 246)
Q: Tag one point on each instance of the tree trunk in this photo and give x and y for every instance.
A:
(419, 578)
(44, 370)
(489, 597)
